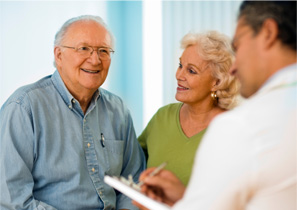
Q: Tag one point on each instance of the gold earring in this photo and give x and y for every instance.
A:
(214, 96)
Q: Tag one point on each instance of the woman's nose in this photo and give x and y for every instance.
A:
(179, 74)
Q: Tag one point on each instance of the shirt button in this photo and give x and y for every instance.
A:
(89, 145)
(100, 193)
(85, 120)
(70, 107)
(93, 169)
(73, 101)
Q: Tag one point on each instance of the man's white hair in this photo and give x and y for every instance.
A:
(61, 33)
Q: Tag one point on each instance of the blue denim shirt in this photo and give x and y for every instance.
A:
(52, 155)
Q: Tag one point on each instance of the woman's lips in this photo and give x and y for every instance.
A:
(180, 87)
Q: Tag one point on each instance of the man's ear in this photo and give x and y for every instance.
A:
(58, 55)
(270, 32)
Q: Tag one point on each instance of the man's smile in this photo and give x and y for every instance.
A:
(90, 71)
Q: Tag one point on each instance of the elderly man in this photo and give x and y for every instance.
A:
(62, 134)
(247, 159)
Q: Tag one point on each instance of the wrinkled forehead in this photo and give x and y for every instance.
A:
(88, 32)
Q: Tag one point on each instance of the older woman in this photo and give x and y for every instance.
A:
(205, 89)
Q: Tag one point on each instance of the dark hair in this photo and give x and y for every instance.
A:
(283, 12)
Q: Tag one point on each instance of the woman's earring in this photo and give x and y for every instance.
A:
(214, 96)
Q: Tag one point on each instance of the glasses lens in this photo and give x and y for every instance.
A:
(104, 53)
(85, 51)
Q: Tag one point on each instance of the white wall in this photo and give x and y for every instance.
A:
(27, 31)
(181, 17)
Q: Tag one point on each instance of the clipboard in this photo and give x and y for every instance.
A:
(135, 194)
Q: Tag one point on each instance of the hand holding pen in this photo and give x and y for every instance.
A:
(161, 185)
(154, 172)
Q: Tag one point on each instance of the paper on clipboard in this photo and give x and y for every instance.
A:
(134, 194)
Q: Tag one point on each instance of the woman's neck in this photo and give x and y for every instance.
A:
(194, 119)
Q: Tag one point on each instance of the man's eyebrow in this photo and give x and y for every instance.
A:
(84, 43)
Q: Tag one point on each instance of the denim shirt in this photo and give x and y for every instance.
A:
(52, 155)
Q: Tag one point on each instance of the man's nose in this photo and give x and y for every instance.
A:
(94, 58)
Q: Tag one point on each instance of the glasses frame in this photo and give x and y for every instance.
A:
(111, 51)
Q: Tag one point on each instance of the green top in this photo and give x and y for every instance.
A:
(164, 140)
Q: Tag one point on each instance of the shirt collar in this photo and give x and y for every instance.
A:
(61, 88)
(66, 95)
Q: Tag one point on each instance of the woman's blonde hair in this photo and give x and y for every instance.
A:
(215, 48)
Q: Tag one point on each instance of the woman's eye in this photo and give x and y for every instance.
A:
(179, 65)
(191, 71)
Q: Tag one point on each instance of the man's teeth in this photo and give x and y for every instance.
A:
(90, 71)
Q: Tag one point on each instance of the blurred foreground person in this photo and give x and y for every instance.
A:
(247, 159)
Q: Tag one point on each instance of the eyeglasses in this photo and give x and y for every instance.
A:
(104, 53)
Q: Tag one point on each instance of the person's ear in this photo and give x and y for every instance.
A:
(215, 83)
(270, 32)
(58, 55)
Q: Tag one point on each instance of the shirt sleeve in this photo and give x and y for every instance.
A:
(221, 175)
(17, 159)
(134, 163)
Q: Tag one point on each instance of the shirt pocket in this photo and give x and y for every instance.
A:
(114, 153)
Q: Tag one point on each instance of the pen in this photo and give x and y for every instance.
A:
(102, 140)
(154, 172)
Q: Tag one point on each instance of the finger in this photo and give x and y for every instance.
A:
(167, 174)
(145, 173)
(159, 194)
(155, 181)
(163, 179)
(151, 194)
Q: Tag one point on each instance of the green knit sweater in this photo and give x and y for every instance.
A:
(164, 140)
